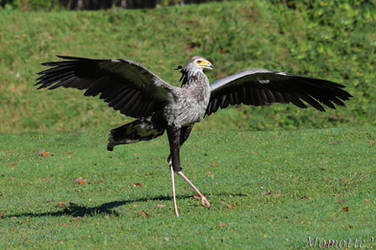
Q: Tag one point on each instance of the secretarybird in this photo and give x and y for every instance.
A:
(135, 91)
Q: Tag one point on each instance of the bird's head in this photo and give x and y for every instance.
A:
(196, 64)
(201, 62)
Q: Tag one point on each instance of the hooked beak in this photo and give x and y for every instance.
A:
(208, 65)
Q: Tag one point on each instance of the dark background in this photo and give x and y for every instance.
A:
(94, 4)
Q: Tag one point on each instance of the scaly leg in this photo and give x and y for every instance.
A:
(204, 201)
(176, 137)
(173, 189)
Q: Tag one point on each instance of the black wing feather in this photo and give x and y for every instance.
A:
(263, 87)
(125, 85)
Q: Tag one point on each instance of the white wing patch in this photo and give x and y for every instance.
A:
(263, 81)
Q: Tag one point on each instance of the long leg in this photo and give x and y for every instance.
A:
(184, 134)
(204, 201)
(173, 190)
(176, 138)
(173, 134)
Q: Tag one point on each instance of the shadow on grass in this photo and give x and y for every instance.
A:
(81, 211)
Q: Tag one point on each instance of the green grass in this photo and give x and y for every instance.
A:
(282, 187)
(269, 189)
(335, 42)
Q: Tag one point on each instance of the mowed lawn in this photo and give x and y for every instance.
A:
(267, 190)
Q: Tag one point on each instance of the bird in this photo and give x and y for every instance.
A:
(157, 106)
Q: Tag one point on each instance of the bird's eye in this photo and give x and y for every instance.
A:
(198, 61)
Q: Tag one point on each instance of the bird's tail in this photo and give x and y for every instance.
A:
(139, 130)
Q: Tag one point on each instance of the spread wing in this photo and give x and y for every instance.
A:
(262, 87)
(125, 85)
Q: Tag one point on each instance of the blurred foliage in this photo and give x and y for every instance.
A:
(332, 40)
(317, 4)
(27, 5)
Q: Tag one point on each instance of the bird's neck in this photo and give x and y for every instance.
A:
(196, 79)
(193, 77)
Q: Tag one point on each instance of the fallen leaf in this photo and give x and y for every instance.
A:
(60, 204)
(161, 205)
(232, 205)
(43, 153)
(322, 169)
(367, 200)
(13, 164)
(346, 208)
(80, 180)
(229, 206)
(143, 213)
(214, 164)
(137, 184)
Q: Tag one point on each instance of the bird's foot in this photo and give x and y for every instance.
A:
(205, 202)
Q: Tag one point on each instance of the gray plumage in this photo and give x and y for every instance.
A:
(135, 91)
(191, 100)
